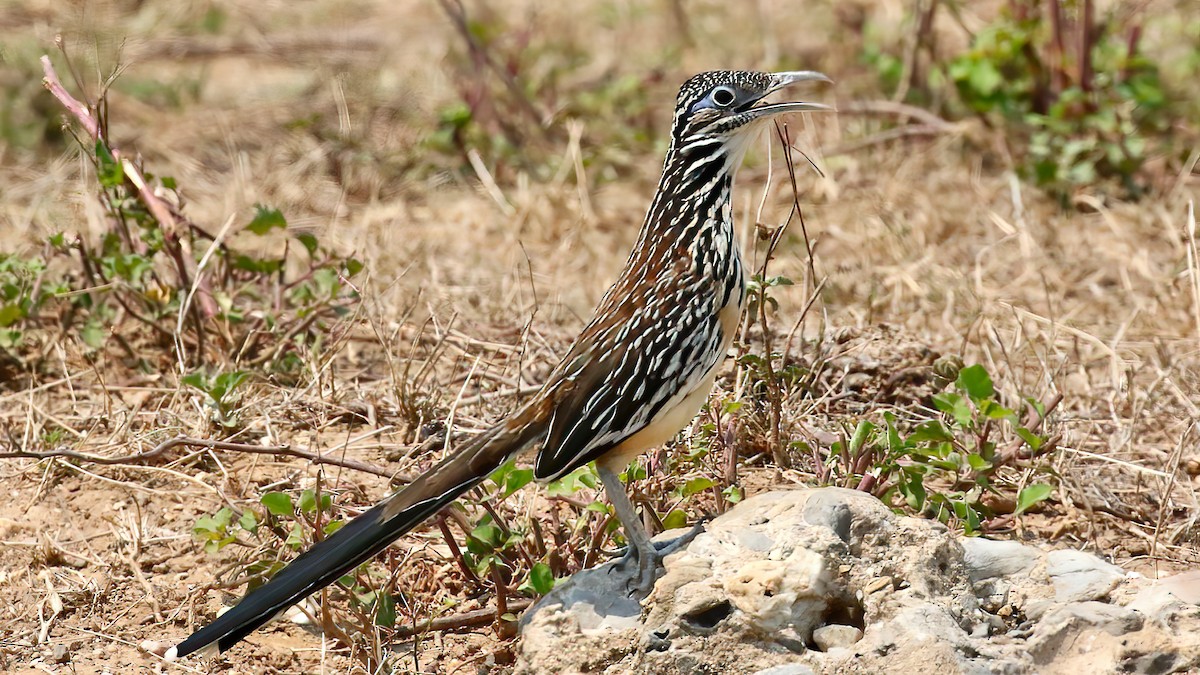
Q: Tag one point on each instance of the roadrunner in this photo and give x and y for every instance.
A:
(638, 372)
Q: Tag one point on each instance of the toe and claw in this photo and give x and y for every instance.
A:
(649, 560)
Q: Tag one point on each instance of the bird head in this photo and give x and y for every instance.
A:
(726, 105)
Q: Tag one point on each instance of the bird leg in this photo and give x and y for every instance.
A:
(642, 549)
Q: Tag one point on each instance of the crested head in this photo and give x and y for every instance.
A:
(726, 103)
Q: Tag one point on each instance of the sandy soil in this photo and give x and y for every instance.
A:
(927, 246)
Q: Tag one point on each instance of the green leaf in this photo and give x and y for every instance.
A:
(225, 383)
(985, 78)
(978, 463)
(995, 411)
(733, 494)
(515, 480)
(248, 521)
(1037, 406)
(973, 521)
(912, 486)
(309, 241)
(484, 539)
(976, 382)
(327, 282)
(257, 265)
(295, 538)
(385, 610)
(572, 482)
(635, 472)
(957, 406)
(223, 517)
(333, 526)
(931, 431)
(205, 525)
(861, 433)
(353, 266)
(540, 580)
(109, 171)
(1032, 494)
(278, 503)
(9, 314)
(1031, 439)
(696, 485)
(266, 219)
(308, 501)
(196, 380)
(895, 443)
(675, 520)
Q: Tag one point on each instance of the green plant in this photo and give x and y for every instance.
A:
(156, 279)
(282, 521)
(23, 291)
(219, 530)
(508, 552)
(944, 466)
(1081, 119)
(220, 390)
(1075, 96)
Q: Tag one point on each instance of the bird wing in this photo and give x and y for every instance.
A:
(629, 366)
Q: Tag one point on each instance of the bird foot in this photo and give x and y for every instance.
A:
(649, 561)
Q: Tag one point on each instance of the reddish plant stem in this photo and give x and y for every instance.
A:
(157, 208)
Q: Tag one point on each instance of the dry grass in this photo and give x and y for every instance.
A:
(479, 273)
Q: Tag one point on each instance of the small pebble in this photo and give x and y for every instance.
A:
(61, 653)
(877, 585)
(155, 647)
(1191, 465)
(834, 636)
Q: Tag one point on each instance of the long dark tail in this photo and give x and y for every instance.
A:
(362, 537)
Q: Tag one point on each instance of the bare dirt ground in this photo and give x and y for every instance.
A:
(477, 277)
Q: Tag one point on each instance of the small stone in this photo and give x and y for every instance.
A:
(155, 647)
(1191, 466)
(834, 636)
(1079, 576)
(298, 617)
(829, 509)
(988, 558)
(61, 653)
(877, 585)
(992, 594)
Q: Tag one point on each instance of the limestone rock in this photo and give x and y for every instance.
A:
(1079, 576)
(834, 636)
(988, 558)
(832, 581)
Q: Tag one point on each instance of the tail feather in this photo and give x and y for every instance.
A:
(359, 540)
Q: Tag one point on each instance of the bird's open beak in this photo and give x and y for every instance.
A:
(786, 79)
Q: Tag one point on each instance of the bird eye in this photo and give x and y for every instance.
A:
(723, 96)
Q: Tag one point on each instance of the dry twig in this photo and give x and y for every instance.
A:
(138, 457)
(472, 619)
